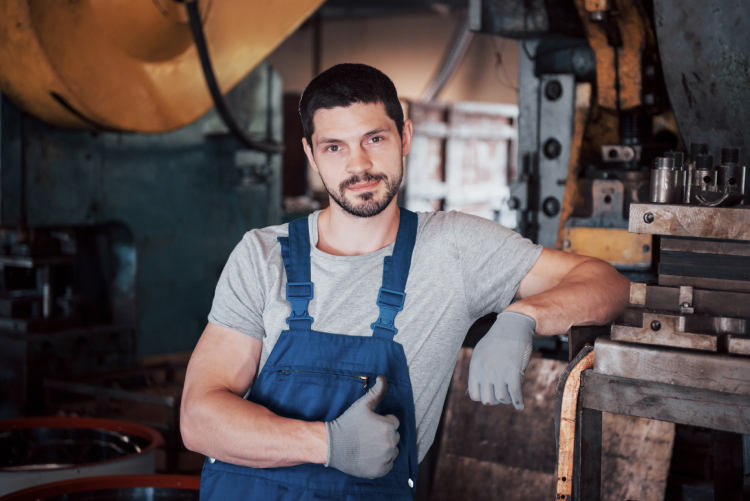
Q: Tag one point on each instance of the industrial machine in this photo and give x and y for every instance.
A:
(117, 177)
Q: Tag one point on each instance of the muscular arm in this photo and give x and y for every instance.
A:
(216, 421)
(563, 289)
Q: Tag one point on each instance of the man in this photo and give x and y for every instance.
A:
(352, 319)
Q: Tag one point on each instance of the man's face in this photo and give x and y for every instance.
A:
(358, 153)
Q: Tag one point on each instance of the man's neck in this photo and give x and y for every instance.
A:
(341, 234)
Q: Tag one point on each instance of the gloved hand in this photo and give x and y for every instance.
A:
(361, 442)
(500, 359)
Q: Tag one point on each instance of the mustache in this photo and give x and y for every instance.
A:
(362, 178)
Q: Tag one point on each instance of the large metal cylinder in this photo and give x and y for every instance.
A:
(116, 487)
(35, 451)
(131, 65)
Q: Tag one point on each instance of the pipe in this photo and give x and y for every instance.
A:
(213, 86)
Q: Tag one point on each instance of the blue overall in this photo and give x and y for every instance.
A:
(316, 376)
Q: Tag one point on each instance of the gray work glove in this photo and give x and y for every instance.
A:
(500, 359)
(361, 442)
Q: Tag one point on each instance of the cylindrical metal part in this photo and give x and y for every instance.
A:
(703, 162)
(706, 179)
(731, 178)
(38, 451)
(730, 156)
(678, 156)
(680, 173)
(697, 149)
(663, 181)
(663, 163)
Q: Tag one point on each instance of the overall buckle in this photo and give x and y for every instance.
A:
(390, 303)
(299, 295)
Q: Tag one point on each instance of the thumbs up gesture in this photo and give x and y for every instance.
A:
(361, 442)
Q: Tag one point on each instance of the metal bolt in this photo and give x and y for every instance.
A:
(655, 325)
(648, 218)
(646, 248)
(551, 206)
(553, 90)
(552, 148)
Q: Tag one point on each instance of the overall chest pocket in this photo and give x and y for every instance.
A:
(320, 396)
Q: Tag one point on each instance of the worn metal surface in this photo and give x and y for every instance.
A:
(702, 301)
(739, 345)
(705, 283)
(705, 246)
(131, 67)
(691, 221)
(186, 197)
(671, 331)
(556, 124)
(666, 402)
(718, 372)
(618, 247)
(705, 53)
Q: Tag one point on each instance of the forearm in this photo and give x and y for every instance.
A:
(592, 293)
(224, 426)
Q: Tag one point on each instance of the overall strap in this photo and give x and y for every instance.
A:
(391, 296)
(295, 251)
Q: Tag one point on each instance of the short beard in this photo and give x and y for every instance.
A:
(369, 207)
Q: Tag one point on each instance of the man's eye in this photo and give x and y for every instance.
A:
(333, 147)
(376, 139)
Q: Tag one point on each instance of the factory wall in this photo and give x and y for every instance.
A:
(409, 49)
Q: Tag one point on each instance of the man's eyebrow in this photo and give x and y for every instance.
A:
(328, 140)
(379, 130)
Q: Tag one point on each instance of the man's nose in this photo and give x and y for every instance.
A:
(359, 161)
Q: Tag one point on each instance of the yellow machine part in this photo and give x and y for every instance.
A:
(615, 245)
(131, 65)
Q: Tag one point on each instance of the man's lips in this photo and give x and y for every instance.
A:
(364, 186)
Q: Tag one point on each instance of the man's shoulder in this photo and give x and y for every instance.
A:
(262, 243)
(440, 223)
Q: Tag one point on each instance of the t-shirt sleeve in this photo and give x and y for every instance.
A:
(493, 261)
(239, 299)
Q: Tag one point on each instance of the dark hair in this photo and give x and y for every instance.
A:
(345, 84)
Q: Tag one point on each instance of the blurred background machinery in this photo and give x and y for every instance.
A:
(123, 191)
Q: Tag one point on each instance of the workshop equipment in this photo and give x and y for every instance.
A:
(144, 210)
(132, 65)
(36, 451)
(119, 487)
(682, 353)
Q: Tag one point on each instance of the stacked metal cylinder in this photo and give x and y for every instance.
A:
(699, 182)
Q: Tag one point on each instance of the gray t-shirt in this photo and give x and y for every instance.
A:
(463, 268)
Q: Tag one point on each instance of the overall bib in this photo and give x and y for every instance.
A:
(316, 376)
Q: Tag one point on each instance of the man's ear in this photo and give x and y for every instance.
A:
(309, 153)
(406, 138)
